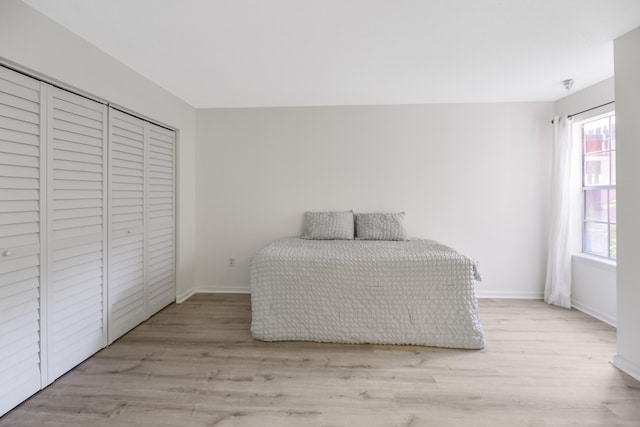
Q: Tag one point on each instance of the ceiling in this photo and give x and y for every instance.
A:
(254, 53)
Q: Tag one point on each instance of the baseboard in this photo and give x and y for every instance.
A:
(185, 295)
(626, 366)
(223, 290)
(247, 290)
(609, 320)
(509, 295)
(479, 294)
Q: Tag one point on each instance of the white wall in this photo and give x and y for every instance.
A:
(474, 176)
(35, 43)
(627, 69)
(593, 286)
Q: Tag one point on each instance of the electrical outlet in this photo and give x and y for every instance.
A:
(232, 261)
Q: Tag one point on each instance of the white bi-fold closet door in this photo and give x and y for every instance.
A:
(52, 233)
(87, 231)
(21, 232)
(141, 221)
(76, 230)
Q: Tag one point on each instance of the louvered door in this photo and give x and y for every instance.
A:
(160, 269)
(20, 237)
(141, 221)
(77, 154)
(87, 234)
(126, 223)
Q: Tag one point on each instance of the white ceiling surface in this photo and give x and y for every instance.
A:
(253, 53)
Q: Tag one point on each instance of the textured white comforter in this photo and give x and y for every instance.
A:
(353, 291)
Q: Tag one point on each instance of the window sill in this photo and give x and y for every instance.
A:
(595, 261)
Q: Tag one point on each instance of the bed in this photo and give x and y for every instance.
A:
(417, 292)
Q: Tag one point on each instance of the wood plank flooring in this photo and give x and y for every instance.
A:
(195, 364)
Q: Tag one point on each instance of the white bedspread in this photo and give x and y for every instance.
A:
(352, 291)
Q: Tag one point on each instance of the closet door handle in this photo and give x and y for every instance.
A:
(7, 252)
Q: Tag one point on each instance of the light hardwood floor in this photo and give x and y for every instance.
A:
(195, 364)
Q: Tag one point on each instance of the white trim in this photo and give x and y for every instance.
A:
(224, 290)
(483, 294)
(246, 290)
(626, 366)
(605, 111)
(146, 141)
(177, 215)
(47, 363)
(595, 261)
(107, 174)
(185, 296)
(174, 213)
(587, 309)
(18, 68)
(204, 290)
(44, 234)
(509, 294)
(105, 225)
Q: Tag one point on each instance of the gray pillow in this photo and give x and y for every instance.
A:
(328, 225)
(380, 226)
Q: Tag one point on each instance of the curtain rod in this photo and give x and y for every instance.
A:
(588, 109)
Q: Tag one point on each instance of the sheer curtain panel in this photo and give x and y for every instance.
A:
(557, 289)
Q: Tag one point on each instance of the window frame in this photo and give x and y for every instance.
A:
(585, 187)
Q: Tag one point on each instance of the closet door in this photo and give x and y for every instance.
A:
(160, 271)
(126, 223)
(76, 229)
(21, 138)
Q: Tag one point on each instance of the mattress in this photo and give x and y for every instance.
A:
(418, 292)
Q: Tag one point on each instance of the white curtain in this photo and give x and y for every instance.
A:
(557, 289)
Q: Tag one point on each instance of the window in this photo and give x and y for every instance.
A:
(599, 186)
